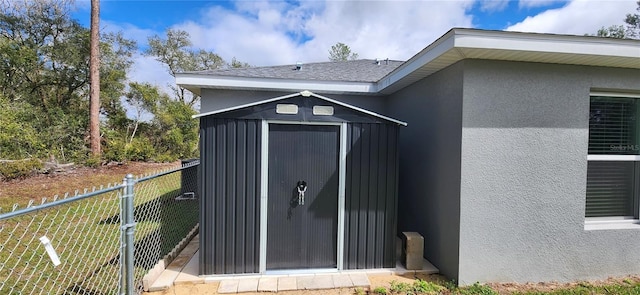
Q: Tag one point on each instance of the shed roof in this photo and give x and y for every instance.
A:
(358, 77)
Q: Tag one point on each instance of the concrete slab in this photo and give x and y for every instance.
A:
(189, 273)
(427, 268)
(268, 285)
(185, 256)
(287, 284)
(165, 280)
(342, 281)
(321, 282)
(229, 286)
(304, 283)
(248, 285)
(360, 279)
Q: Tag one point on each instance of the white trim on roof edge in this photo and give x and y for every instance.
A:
(456, 45)
(305, 93)
(194, 82)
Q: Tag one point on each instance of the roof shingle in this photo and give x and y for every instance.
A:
(362, 70)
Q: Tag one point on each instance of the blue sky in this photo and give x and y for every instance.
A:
(263, 32)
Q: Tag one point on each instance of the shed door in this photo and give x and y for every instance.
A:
(302, 236)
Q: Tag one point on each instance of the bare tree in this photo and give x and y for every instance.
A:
(94, 69)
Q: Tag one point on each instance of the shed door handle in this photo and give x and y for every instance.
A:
(302, 188)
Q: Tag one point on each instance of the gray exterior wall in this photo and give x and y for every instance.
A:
(523, 175)
(429, 185)
(215, 99)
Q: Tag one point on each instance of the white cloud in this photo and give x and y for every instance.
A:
(268, 33)
(578, 17)
(147, 69)
(129, 31)
(384, 29)
(493, 5)
(537, 3)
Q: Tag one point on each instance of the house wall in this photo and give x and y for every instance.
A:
(217, 99)
(429, 185)
(523, 175)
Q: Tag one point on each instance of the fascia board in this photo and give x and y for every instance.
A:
(424, 57)
(547, 44)
(204, 81)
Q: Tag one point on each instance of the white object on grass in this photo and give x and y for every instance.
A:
(50, 251)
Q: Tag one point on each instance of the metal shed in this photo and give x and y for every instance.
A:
(299, 182)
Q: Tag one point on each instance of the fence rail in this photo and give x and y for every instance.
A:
(98, 242)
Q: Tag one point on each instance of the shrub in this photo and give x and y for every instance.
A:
(421, 286)
(140, 149)
(93, 162)
(19, 137)
(380, 290)
(114, 147)
(165, 158)
(399, 287)
(19, 168)
(477, 289)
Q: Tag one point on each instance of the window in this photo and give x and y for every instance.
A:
(613, 169)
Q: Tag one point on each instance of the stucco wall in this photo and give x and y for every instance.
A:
(523, 175)
(216, 99)
(429, 185)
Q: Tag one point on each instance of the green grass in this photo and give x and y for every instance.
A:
(86, 235)
(617, 289)
(626, 287)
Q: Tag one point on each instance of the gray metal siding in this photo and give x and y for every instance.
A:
(229, 215)
(218, 99)
(302, 235)
(371, 196)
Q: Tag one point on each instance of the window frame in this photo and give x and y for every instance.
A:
(615, 222)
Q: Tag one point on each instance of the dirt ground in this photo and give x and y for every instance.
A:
(77, 178)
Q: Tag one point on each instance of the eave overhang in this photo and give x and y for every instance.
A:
(459, 44)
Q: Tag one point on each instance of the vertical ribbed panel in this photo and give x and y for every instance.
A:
(302, 235)
(371, 196)
(230, 195)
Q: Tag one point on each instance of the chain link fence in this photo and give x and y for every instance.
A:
(79, 244)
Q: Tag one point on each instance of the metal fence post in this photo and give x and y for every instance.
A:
(127, 238)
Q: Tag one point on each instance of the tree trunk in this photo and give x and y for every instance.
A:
(94, 69)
